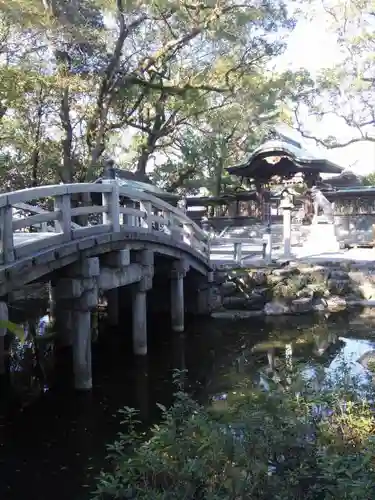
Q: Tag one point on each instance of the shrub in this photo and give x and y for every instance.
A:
(298, 441)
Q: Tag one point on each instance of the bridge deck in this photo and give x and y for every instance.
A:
(254, 258)
(21, 239)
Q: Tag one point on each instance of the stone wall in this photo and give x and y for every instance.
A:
(295, 289)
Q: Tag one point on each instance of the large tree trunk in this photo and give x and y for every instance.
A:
(67, 170)
(35, 156)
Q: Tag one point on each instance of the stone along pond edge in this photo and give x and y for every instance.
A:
(293, 288)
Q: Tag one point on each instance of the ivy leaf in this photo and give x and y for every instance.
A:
(13, 328)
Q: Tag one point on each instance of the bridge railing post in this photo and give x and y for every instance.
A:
(146, 220)
(237, 252)
(174, 228)
(6, 234)
(188, 234)
(167, 216)
(62, 203)
(111, 201)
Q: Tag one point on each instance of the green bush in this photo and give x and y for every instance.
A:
(298, 441)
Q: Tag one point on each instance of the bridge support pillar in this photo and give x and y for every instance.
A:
(113, 306)
(77, 296)
(177, 296)
(82, 339)
(3, 331)
(139, 302)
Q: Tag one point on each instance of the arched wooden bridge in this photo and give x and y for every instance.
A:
(123, 241)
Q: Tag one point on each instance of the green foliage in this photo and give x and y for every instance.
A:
(301, 440)
(289, 287)
(180, 82)
(15, 329)
(369, 180)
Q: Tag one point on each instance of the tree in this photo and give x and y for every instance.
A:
(204, 147)
(346, 91)
(126, 75)
(369, 180)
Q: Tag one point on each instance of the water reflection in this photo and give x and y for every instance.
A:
(351, 355)
(142, 388)
(322, 351)
(60, 440)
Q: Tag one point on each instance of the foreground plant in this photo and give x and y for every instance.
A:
(295, 442)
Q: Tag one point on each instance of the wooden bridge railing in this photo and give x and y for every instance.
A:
(122, 209)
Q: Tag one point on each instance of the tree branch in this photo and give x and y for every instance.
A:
(173, 90)
(365, 137)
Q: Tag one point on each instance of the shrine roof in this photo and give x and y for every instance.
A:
(288, 159)
(344, 180)
(353, 192)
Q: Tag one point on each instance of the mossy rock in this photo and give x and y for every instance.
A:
(286, 272)
(339, 287)
(286, 289)
(317, 289)
(259, 277)
(274, 280)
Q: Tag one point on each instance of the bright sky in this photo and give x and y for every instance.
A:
(312, 47)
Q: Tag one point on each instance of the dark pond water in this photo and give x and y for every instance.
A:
(55, 446)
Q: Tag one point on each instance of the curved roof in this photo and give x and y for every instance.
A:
(292, 159)
(344, 180)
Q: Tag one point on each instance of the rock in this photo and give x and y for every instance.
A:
(319, 304)
(367, 360)
(336, 303)
(319, 273)
(302, 305)
(258, 300)
(228, 288)
(338, 287)
(367, 290)
(357, 276)
(235, 302)
(352, 298)
(273, 280)
(252, 303)
(259, 277)
(264, 292)
(215, 299)
(338, 275)
(220, 278)
(235, 314)
(276, 308)
(304, 293)
(286, 272)
(316, 289)
(368, 310)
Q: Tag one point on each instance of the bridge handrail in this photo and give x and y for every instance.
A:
(140, 211)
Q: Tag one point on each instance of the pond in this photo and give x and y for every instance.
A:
(55, 445)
